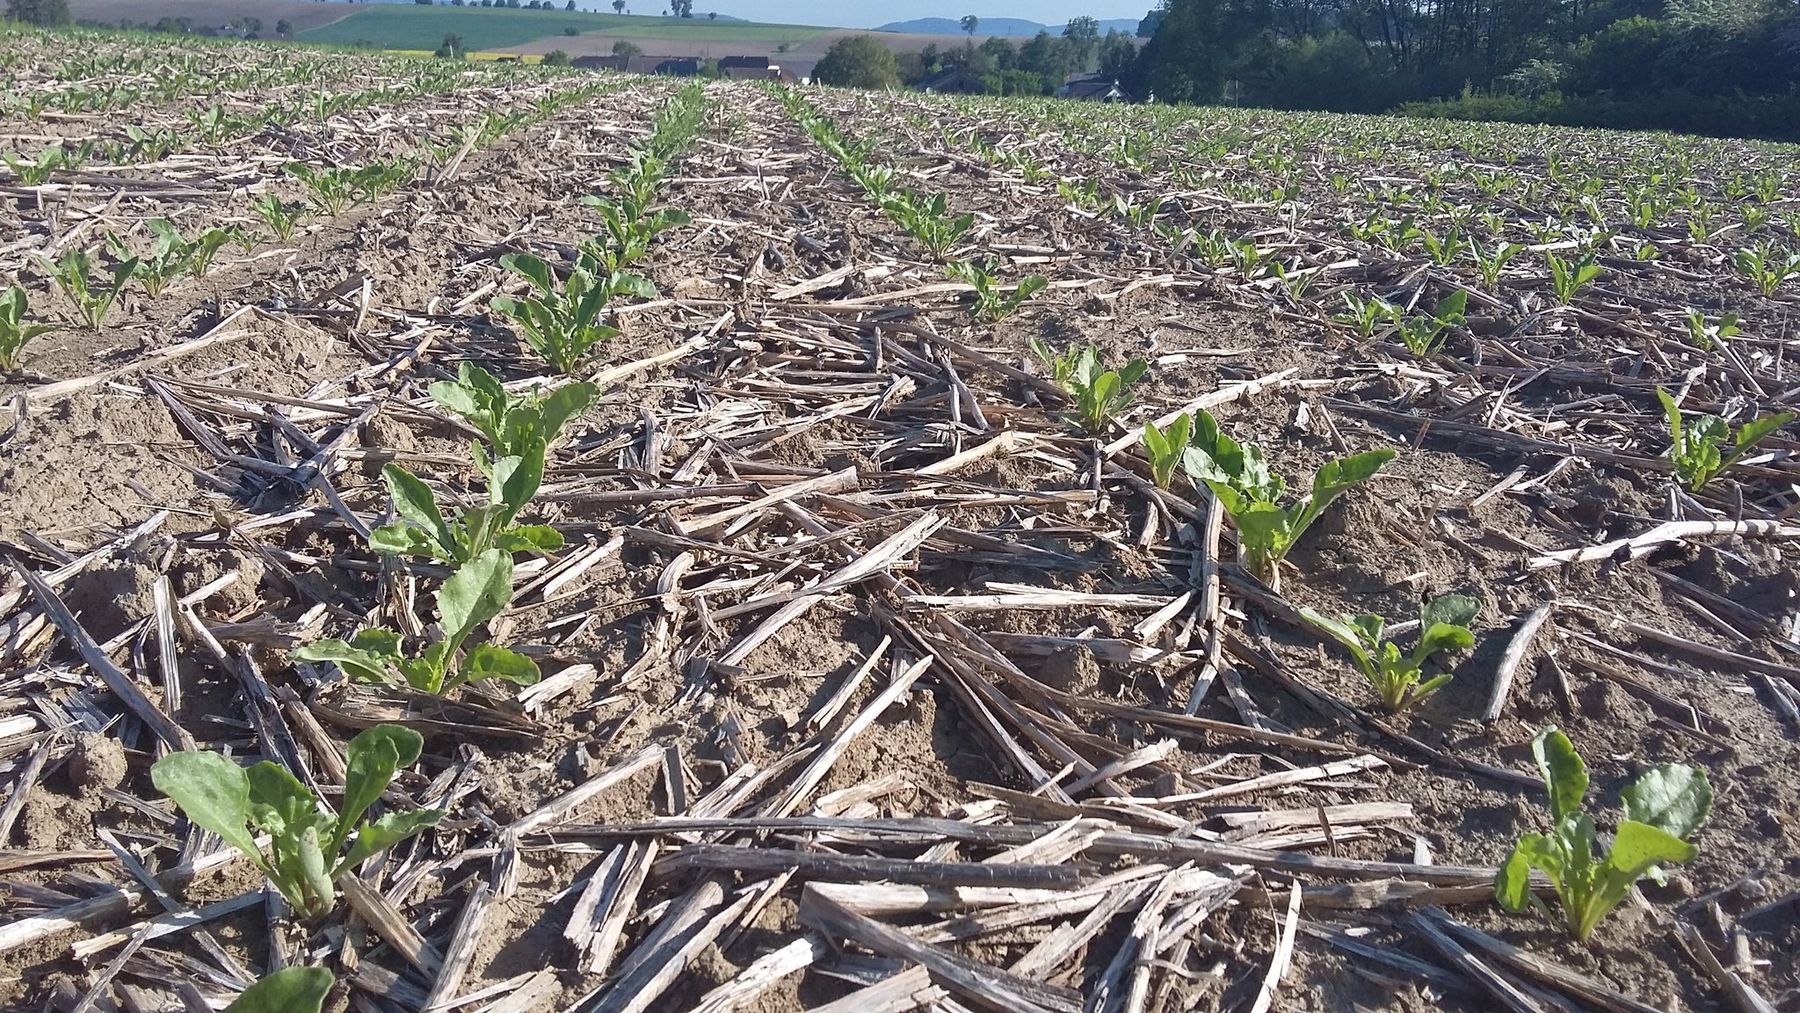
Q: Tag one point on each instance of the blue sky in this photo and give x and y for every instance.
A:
(869, 13)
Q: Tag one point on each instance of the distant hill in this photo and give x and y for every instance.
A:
(1014, 27)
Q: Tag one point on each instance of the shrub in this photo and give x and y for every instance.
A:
(858, 61)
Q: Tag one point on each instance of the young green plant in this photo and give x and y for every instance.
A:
(630, 229)
(1097, 394)
(281, 217)
(561, 322)
(425, 529)
(513, 425)
(1423, 334)
(1702, 446)
(1166, 447)
(307, 850)
(1239, 476)
(478, 591)
(1662, 809)
(1569, 277)
(170, 256)
(929, 220)
(992, 304)
(14, 331)
(1366, 315)
(72, 273)
(1704, 335)
(1766, 267)
(1396, 677)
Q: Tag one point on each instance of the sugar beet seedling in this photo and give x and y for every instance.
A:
(307, 847)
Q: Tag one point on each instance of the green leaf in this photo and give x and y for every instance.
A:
(1428, 687)
(1337, 476)
(632, 285)
(1452, 308)
(1370, 627)
(1512, 886)
(456, 397)
(1565, 776)
(289, 990)
(365, 658)
(1443, 637)
(280, 803)
(529, 538)
(508, 306)
(1753, 432)
(1155, 442)
(1638, 847)
(531, 269)
(1671, 413)
(1673, 797)
(1450, 609)
(378, 835)
(485, 384)
(475, 593)
(563, 404)
(213, 792)
(1345, 634)
(371, 761)
(399, 539)
(1265, 531)
(491, 661)
(426, 672)
(516, 479)
(309, 888)
(1181, 430)
(414, 501)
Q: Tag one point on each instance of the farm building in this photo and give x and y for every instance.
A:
(1092, 88)
(954, 81)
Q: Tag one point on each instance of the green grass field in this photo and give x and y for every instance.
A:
(415, 26)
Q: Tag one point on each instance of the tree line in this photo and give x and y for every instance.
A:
(1709, 66)
(996, 66)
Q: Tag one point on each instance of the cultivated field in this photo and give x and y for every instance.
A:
(405, 26)
(787, 633)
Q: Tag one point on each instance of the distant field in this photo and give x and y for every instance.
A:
(411, 26)
(302, 15)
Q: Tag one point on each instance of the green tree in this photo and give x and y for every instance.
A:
(1083, 34)
(969, 23)
(1197, 47)
(556, 58)
(627, 49)
(858, 61)
(451, 48)
(1117, 54)
(45, 13)
(1000, 52)
(1047, 56)
(284, 28)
